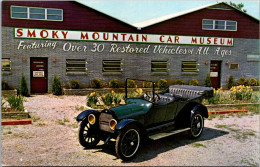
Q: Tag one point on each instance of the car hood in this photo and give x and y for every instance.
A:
(132, 109)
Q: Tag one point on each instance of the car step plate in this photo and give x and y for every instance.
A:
(165, 134)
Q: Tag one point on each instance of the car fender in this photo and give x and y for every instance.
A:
(84, 114)
(203, 109)
(125, 122)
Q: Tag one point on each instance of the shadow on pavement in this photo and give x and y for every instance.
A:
(150, 149)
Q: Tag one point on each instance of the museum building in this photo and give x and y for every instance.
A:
(76, 42)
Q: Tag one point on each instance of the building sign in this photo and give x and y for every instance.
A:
(31, 33)
(213, 74)
(38, 74)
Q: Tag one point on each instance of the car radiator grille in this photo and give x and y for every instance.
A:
(104, 120)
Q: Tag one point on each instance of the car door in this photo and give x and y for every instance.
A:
(171, 112)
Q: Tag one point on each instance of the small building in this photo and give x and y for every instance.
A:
(76, 42)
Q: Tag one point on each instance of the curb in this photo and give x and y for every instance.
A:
(229, 105)
(227, 111)
(17, 122)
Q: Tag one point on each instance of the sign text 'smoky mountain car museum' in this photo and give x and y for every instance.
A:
(75, 42)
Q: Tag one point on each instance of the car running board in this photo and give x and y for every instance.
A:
(165, 134)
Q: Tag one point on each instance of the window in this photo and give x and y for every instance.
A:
(21, 12)
(253, 57)
(159, 66)
(112, 65)
(234, 66)
(219, 25)
(6, 64)
(189, 66)
(76, 65)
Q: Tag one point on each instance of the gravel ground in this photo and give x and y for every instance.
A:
(52, 140)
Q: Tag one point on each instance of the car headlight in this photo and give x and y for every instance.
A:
(91, 119)
(112, 124)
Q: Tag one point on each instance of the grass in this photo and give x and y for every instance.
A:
(198, 145)
(35, 119)
(74, 125)
(228, 127)
(7, 133)
(41, 124)
(60, 122)
(80, 108)
(66, 120)
(239, 133)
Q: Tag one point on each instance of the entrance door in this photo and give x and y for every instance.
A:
(38, 75)
(215, 69)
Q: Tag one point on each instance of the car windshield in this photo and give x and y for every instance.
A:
(140, 89)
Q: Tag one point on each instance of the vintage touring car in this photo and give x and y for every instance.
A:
(151, 115)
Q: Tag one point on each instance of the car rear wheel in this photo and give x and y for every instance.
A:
(128, 142)
(88, 137)
(196, 125)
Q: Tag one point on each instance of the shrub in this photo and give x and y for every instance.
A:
(3, 108)
(162, 84)
(207, 82)
(139, 91)
(241, 92)
(95, 83)
(242, 81)
(74, 84)
(130, 83)
(56, 86)
(147, 84)
(92, 100)
(104, 84)
(107, 99)
(16, 102)
(180, 82)
(117, 99)
(231, 82)
(217, 97)
(252, 82)
(113, 83)
(170, 82)
(5, 85)
(194, 82)
(23, 86)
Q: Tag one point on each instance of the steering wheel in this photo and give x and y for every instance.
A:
(150, 97)
(158, 97)
(147, 94)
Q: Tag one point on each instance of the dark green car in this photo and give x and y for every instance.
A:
(150, 115)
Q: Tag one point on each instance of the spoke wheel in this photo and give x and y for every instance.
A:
(128, 143)
(87, 136)
(197, 125)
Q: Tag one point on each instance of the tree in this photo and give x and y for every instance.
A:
(207, 82)
(239, 6)
(56, 86)
(23, 86)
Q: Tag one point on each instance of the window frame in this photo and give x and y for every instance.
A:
(234, 66)
(8, 69)
(159, 70)
(112, 60)
(189, 70)
(214, 25)
(75, 71)
(28, 13)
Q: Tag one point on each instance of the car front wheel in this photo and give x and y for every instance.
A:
(128, 142)
(88, 137)
(197, 125)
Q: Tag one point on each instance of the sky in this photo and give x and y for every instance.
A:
(133, 11)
